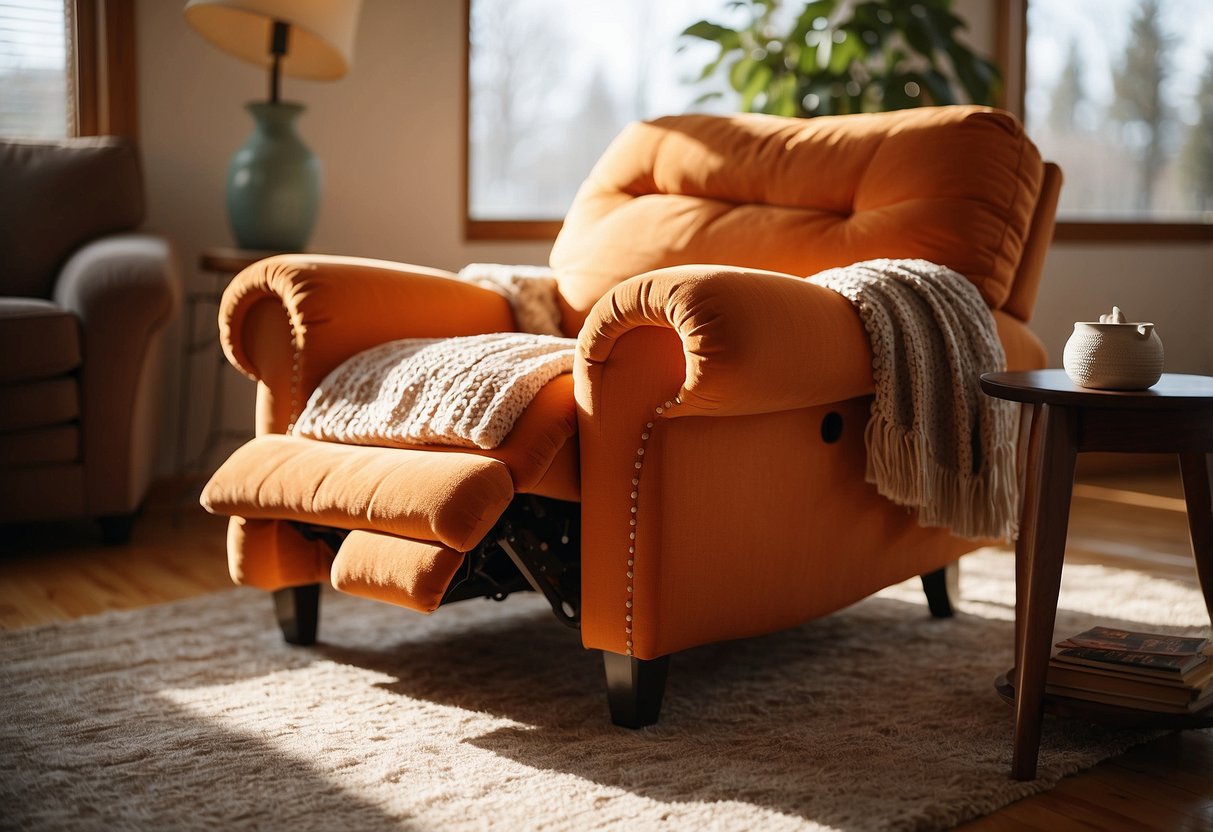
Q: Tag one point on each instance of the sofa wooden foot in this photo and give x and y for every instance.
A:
(942, 587)
(298, 611)
(116, 529)
(635, 688)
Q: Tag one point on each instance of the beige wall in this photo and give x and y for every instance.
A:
(389, 136)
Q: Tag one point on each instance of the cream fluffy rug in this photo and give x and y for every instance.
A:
(195, 715)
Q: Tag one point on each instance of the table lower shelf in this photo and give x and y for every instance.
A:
(1064, 706)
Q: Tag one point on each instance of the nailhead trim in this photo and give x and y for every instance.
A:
(295, 361)
(634, 513)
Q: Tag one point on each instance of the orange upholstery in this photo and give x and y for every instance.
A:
(411, 573)
(451, 498)
(712, 429)
(953, 185)
(283, 557)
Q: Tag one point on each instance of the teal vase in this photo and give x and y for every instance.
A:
(273, 182)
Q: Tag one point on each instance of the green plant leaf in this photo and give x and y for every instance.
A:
(883, 46)
(707, 30)
(740, 71)
(937, 86)
(755, 84)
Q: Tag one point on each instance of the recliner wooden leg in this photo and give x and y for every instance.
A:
(635, 688)
(298, 612)
(941, 587)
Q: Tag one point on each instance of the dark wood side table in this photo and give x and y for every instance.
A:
(1173, 416)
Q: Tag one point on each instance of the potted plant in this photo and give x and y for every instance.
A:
(845, 56)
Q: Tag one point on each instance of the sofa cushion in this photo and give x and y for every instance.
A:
(37, 340)
(54, 445)
(32, 404)
(953, 185)
(451, 498)
(57, 195)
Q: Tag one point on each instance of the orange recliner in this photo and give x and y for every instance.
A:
(700, 475)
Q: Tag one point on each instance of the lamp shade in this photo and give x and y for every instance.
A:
(322, 32)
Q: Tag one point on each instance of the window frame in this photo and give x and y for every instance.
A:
(103, 71)
(1011, 53)
(1011, 29)
(487, 230)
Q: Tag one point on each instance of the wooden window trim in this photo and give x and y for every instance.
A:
(104, 68)
(1011, 53)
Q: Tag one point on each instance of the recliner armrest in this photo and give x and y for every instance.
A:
(753, 341)
(289, 320)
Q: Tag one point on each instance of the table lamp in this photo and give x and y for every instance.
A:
(274, 180)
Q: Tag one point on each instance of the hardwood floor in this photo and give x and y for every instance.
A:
(1131, 521)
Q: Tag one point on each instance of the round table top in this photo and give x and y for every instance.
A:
(231, 260)
(1173, 391)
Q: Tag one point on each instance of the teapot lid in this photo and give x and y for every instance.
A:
(1118, 318)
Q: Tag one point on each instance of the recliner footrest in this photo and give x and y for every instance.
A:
(452, 499)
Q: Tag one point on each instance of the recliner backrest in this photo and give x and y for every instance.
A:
(954, 185)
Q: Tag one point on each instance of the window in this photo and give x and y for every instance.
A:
(67, 68)
(34, 69)
(544, 99)
(1120, 94)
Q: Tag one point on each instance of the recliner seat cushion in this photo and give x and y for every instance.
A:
(37, 340)
(450, 498)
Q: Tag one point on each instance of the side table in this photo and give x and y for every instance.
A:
(1173, 416)
(221, 264)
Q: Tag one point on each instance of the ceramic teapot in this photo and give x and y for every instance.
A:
(1113, 354)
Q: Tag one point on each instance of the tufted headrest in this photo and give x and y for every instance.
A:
(954, 185)
(57, 195)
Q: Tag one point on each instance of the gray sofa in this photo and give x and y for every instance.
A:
(84, 302)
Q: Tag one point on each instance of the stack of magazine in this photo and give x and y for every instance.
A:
(1146, 671)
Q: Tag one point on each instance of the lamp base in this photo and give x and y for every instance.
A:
(273, 182)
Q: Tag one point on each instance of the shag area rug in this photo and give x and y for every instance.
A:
(195, 715)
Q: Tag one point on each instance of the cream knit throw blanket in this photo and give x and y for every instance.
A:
(935, 441)
(465, 392)
(531, 291)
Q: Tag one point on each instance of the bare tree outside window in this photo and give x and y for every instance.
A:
(552, 82)
(1119, 93)
(1196, 158)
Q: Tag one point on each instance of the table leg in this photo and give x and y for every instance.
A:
(1198, 493)
(1029, 440)
(1054, 446)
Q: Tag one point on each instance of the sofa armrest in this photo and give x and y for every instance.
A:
(124, 289)
(752, 341)
(289, 320)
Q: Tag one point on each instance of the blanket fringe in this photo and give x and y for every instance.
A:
(981, 504)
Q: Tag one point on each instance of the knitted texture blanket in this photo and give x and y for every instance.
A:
(531, 291)
(935, 441)
(465, 392)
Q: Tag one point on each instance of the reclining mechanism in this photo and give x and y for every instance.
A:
(535, 545)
